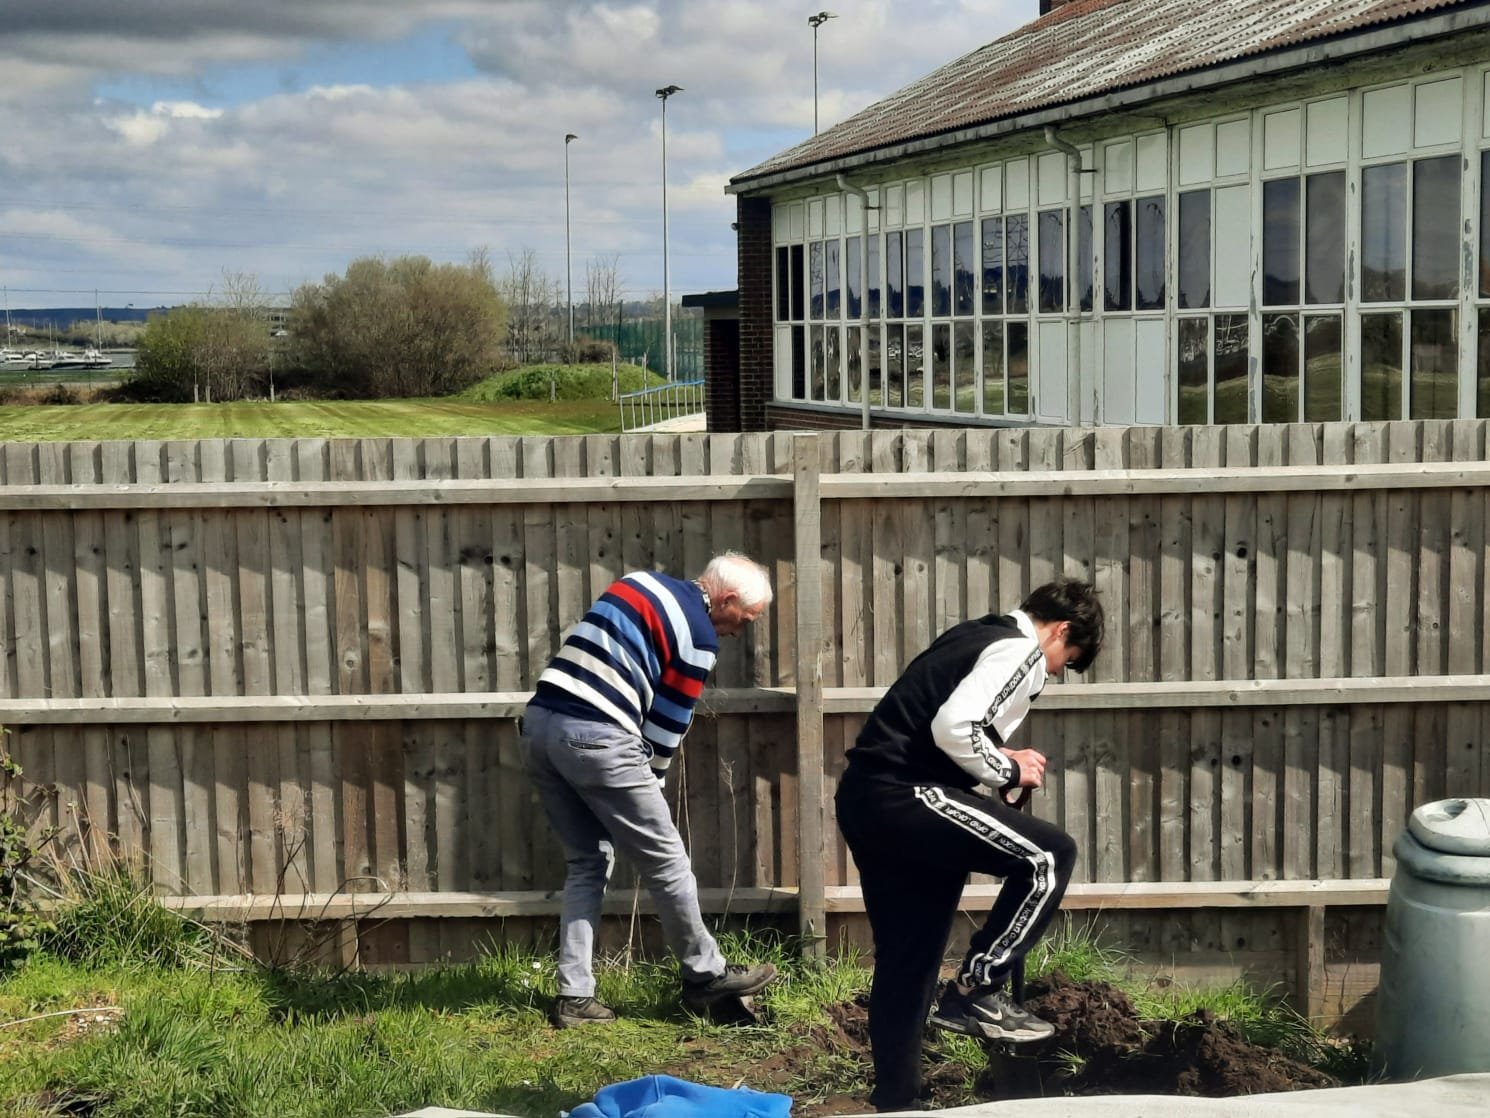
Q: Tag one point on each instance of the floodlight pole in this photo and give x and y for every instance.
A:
(568, 267)
(815, 22)
(667, 298)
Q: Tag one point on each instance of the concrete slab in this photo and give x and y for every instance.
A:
(1453, 1096)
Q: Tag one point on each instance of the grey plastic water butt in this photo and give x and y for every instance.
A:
(1433, 1005)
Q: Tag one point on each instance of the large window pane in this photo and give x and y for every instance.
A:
(895, 366)
(1381, 366)
(964, 269)
(1484, 227)
(832, 364)
(1019, 368)
(853, 363)
(799, 363)
(872, 266)
(993, 368)
(798, 290)
(1280, 242)
(964, 368)
(1324, 230)
(1195, 250)
(1231, 369)
(1280, 368)
(1384, 233)
(815, 278)
(915, 273)
(941, 366)
(915, 368)
(783, 284)
(1482, 367)
(1148, 276)
(894, 275)
(815, 355)
(941, 271)
(1433, 387)
(1194, 370)
(993, 265)
(1435, 228)
(1017, 262)
(1084, 257)
(874, 365)
(834, 262)
(1117, 257)
(1052, 262)
(853, 277)
(1323, 390)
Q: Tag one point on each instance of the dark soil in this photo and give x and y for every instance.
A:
(1100, 1047)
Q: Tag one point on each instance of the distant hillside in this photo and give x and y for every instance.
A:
(62, 317)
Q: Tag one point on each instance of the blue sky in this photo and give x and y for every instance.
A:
(160, 151)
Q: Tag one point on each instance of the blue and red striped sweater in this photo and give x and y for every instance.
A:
(638, 658)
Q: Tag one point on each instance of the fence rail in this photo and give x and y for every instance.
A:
(277, 667)
(648, 408)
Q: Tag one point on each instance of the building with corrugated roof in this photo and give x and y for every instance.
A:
(1279, 212)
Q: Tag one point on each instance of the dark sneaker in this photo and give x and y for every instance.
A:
(736, 982)
(987, 1012)
(567, 1012)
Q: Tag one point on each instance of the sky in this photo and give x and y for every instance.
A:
(157, 151)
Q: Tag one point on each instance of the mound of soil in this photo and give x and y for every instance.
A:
(1101, 1046)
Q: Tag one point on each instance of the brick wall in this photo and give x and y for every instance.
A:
(722, 372)
(755, 360)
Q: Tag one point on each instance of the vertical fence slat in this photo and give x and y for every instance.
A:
(806, 502)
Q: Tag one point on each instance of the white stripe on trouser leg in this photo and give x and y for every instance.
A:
(1042, 882)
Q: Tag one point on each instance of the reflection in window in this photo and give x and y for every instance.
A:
(895, 366)
(993, 265)
(1433, 390)
(1324, 248)
(1084, 257)
(1322, 369)
(1148, 277)
(815, 275)
(941, 365)
(815, 350)
(964, 368)
(894, 276)
(1381, 366)
(874, 362)
(1195, 250)
(783, 284)
(915, 273)
(1231, 369)
(1194, 370)
(1482, 367)
(1017, 262)
(1384, 233)
(872, 268)
(1280, 368)
(833, 261)
(853, 277)
(830, 380)
(915, 368)
(853, 363)
(1280, 242)
(1052, 262)
(1117, 256)
(1019, 368)
(941, 270)
(798, 300)
(1435, 228)
(964, 268)
(993, 368)
(799, 363)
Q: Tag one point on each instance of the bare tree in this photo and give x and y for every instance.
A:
(602, 289)
(531, 298)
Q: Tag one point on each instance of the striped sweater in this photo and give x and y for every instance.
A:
(638, 659)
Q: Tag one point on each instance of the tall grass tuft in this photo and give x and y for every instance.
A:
(108, 917)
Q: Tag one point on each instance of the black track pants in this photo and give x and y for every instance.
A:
(914, 845)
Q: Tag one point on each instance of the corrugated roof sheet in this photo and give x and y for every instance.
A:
(1087, 48)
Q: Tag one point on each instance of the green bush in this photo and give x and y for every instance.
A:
(565, 382)
(21, 926)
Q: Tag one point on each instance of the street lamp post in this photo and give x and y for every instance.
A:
(667, 297)
(569, 137)
(815, 22)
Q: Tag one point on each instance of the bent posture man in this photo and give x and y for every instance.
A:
(609, 714)
(916, 828)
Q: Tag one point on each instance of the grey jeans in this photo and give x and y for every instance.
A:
(601, 796)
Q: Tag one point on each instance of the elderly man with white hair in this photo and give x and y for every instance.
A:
(608, 717)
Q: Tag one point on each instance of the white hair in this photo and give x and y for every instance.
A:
(732, 571)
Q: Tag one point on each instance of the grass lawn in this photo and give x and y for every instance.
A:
(320, 418)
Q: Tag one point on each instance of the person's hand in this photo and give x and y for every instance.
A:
(1031, 766)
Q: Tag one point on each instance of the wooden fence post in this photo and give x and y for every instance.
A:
(807, 524)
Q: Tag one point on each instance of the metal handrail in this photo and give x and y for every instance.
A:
(647, 407)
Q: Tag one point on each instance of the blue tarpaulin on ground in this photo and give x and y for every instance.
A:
(662, 1096)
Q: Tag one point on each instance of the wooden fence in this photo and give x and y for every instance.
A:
(287, 672)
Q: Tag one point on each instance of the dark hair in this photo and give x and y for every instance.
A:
(1073, 601)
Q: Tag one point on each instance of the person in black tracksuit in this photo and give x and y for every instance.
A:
(908, 808)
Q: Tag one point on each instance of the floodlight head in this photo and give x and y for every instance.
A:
(668, 90)
(570, 136)
(821, 18)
